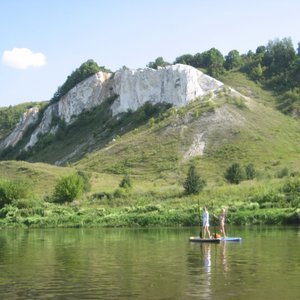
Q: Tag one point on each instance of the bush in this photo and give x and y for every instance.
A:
(234, 174)
(68, 188)
(86, 180)
(291, 190)
(126, 182)
(250, 172)
(14, 190)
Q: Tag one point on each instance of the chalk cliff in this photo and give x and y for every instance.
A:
(28, 118)
(175, 84)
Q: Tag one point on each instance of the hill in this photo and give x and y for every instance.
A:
(157, 142)
(155, 145)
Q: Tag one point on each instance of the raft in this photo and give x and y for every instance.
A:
(197, 239)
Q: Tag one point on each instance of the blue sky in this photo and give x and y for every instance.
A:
(43, 41)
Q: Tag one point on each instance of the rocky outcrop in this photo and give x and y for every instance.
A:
(28, 118)
(174, 84)
(84, 96)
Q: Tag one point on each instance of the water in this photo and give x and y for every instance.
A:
(149, 264)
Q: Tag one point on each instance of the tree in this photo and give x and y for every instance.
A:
(213, 60)
(159, 62)
(260, 49)
(294, 72)
(234, 173)
(193, 184)
(256, 72)
(186, 59)
(68, 188)
(279, 56)
(233, 60)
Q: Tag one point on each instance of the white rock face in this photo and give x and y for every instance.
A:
(175, 84)
(44, 126)
(26, 119)
(84, 96)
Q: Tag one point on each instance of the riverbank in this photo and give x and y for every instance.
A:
(274, 201)
(51, 215)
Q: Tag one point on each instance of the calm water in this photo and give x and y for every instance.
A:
(149, 264)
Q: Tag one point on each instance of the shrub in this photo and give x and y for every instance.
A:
(193, 184)
(250, 172)
(68, 188)
(126, 182)
(86, 180)
(14, 190)
(234, 174)
(291, 190)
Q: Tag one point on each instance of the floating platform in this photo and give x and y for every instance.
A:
(197, 239)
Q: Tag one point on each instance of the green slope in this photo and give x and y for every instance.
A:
(42, 176)
(152, 143)
(257, 134)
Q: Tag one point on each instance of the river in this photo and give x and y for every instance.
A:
(155, 263)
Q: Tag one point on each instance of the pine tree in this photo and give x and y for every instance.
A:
(193, 184)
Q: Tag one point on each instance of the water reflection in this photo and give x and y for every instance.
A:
(208, 267)
(206, 252)
(223, 256)
(147, 264)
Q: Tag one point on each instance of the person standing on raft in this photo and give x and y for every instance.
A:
(206, 223)
(222, 222)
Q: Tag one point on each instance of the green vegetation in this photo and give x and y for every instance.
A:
(12, 190)
(87, 69)
(126, 183)
(68, 188)
(138, 169)
(10, 116)
(235, 173)
(263, 202)
(275, 66)
(193, 184)
(159, 62)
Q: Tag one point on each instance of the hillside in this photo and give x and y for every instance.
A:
(215, 134)
(157, 143)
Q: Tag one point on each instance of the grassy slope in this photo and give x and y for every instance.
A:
(153, 155)
(43, 176)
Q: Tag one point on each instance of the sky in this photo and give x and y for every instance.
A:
(43, 41)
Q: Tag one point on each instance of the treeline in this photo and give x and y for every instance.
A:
(275, 66)
(87, 69)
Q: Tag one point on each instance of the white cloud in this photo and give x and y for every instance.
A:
(23, 58)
